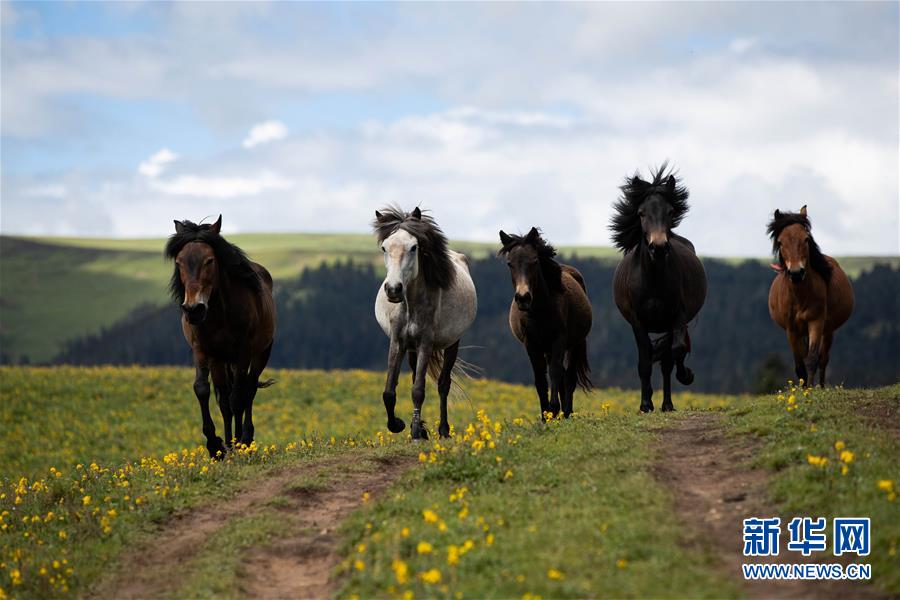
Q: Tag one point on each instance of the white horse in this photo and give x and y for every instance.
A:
(426, 304)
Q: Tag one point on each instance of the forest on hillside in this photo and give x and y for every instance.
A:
(326, 320)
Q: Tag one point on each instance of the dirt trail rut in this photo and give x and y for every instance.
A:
(714, 490)
(297, 566)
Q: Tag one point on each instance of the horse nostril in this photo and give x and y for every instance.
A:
(393, 290)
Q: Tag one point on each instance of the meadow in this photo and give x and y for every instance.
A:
(95, 460)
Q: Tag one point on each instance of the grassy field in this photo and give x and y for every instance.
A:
(55, 289)
(94, 458)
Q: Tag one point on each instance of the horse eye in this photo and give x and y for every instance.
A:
(641, 214)
(382, 249)
(208, 261)
(414, 248)
(509, 264)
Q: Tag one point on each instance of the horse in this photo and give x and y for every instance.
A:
(228, 319)
(550, 314)
(810, 297)
(660, 285)
(426, 303)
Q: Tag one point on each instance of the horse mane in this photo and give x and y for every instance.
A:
(551, 269)
(781, 221)
(626, 222)
(234, 266)
(434, 253)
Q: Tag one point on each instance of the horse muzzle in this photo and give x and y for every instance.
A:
(196, 313)
(798, 275)
(658, 249)
(523, 301)
(394, 293)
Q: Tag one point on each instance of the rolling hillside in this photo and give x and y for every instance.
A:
(55, 289)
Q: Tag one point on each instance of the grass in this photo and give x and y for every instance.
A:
(93, 459)
(569, 510)
(129, 440)
(829, 424)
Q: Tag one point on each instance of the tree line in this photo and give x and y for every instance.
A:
(326, 320)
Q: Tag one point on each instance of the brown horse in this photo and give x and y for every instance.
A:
(228, 319)
(551, 315)
(660, 285)
(811, 295)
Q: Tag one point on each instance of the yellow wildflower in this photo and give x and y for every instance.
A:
(430, 516)
(839, 445)
(401, 571)
(431, 576)
(424, 548)
(555, 574)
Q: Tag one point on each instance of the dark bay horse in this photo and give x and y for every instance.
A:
(426, 303)
(660, 285)
(228, 319)
(551, 315)
(810, 297)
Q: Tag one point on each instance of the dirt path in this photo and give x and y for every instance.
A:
(714, 490)
(298, 566)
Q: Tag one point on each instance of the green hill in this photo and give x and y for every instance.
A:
(55, 289)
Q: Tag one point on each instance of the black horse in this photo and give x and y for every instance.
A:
(660, 284)
(551, 316)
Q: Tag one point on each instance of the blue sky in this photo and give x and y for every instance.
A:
(119, 117)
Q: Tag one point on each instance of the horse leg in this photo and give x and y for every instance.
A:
(681, 345)
(571, 379)
(257, 365)
(395, 360)
(795, 339)
(223, 396)
(667, 363)
(816, 334)
(214, 443)
(444, 386)
(827, 339)
(539, 367)
(417, 427)
(557, 374)
(645, 366)
(413, 359)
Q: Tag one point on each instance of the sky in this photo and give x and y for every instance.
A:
(119, 117)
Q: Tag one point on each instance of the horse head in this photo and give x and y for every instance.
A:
(198, 272)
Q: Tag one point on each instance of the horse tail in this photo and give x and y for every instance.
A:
(265, 384)
(579, 363)
(461, 368)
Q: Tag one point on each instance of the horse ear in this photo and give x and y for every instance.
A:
(179, 227)
(670, 184)
(505, 239)
(416, 213)
(217, 226)
(803, 210)
(378, 216)
(533, 235)
(777, 214)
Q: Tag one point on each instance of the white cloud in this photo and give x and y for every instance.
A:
(51, 190)
(265, 132)
(156, 164)
(222, 187)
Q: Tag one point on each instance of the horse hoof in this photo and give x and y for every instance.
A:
(396, 426)
(216, 449)
(646, 408)
(685, 378)
(668, 408)
(444, 430)
(419, 432)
